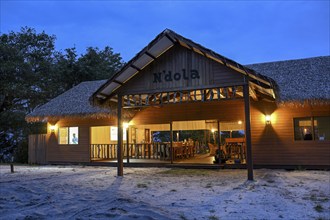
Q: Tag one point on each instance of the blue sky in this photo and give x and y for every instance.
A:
(245, 31)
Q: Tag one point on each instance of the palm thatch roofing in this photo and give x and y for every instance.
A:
(74, 102)
(300, 81)
(295, 82)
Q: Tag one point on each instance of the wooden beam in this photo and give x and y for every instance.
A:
(253, 94)
(127, 144)
(248, 131)
(120, 165)
(219, 140)
(259, 83)
(170, 38)
(150, 55)
(116, 81)
(264, 96)
(135, 67)
(171, 137)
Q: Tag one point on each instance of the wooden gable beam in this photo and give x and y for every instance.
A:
(264, 96)
(253, 94)
(150, 55)
(116, 81)
(135, 67)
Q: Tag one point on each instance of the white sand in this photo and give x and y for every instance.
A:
(76, 192)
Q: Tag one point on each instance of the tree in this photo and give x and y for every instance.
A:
(31, 73)
(26, 64)
(94, 65)
(26, 60)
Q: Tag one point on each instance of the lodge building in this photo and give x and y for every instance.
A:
(179, 103)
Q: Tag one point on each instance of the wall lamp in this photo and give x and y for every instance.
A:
(268, 119)
(125, 125)
(52, 128)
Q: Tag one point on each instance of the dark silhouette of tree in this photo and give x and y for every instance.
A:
(31, 73)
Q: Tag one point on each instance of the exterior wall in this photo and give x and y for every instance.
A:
(227, 110)
(73, 153)
(274, 144)
(37, 149)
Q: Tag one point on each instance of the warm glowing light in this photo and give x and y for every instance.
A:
(52, 128)
(268, 119)
(125, 125)
(239, 122)
(213, 130)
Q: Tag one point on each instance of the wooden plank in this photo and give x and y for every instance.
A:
(179, 64)
(229, 110)
(32, 149)
(37, 149)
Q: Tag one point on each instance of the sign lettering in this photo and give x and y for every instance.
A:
(169, 76)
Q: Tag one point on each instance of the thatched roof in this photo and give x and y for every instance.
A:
(74, 102)
(301, 80)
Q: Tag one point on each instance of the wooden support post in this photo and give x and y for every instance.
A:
(248, 131)
(171, 145)
(120, 165)
(219, 141)
(12, 168)
(127, 144)
(313, 128)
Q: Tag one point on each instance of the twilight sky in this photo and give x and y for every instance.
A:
(245, 31)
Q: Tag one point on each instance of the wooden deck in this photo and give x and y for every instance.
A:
(202, 161)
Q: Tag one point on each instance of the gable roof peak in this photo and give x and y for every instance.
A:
(163, 42)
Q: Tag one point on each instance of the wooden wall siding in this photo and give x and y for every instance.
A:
(73, 153)
(275, 145)
(230, 110)
(271, 145)
(212, 74)
(37, 149)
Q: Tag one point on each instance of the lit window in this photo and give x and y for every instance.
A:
(68, 135)
(305, 130)
(322, 128)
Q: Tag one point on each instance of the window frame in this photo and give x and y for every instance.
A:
(68, 142)
(313, 120)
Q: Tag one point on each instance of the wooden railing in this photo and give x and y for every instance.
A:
(159, 150)
(103, 151)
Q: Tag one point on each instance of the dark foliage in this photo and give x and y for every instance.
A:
(31, 73)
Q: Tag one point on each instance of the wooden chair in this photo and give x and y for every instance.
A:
(212, 149)
(177, 150)
(235, 147)
(221, 156)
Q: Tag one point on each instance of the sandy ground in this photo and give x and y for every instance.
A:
(77, 192)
